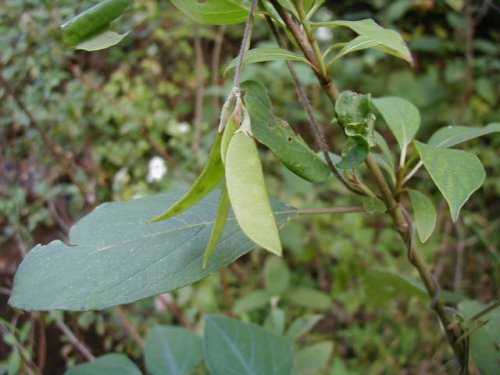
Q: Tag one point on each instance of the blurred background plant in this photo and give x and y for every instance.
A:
(79, 128)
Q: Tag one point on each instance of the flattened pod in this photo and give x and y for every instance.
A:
(248, 194)
(93, 21)
(209, 178)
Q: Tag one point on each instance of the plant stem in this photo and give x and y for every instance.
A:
(402, 223)
(329, 210)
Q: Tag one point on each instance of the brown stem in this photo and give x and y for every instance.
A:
(215, 66)
(468, 59)
(129, 326)
(80, 346)
(200, 93)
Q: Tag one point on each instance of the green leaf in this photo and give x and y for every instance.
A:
(354, 152)
(373, 205)
(276, 275)
(94, 21)
(383, 286)
(248, 194)
(312, 359)
(101, 41)
(456, 173)
(258, 55)
(301, 326)
(402, 117)
(386, 40)
(232, 347)
(110, 364)
(172, 351)
(357, 44)
(117, 258)
(253, 301)
(450, 136)
(425, 214)
(210, 177)
(310, 298)
(485, 341)
(218, 228)
(228, 133)
(279, 138)
(213, 12)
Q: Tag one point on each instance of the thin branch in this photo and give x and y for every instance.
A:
(80, 346)
(329, 210)
(215, 65)
(200, 92)
(129, 327)
(245, 44)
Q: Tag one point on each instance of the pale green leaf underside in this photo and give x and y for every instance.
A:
(456, 173)
(233, 347)
(266, 54)
(386, 40)
(172, 351)
(101, 41)
(402, 117)
(452, 135)
(117, 258)
(109, 364)
(213, 12)
(425, 214)
(248, 193)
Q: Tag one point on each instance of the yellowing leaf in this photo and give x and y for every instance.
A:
(248, 194)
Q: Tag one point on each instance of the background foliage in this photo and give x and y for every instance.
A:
(108, 114)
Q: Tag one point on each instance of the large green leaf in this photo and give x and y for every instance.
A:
(281, 139)
(117, 258)
(248, 193)
(172, 351)
(485, 341)
(232, 347)
(213, 12)
(386, 40)
(425, 214)
(456, 173)
(402, 117)
(110, 364)
(266, 54)
(451, 135)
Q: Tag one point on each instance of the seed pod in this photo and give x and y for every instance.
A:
(93, 21)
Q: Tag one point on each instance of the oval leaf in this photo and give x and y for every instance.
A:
(117, 258)
(209, 178)
(110, 364)
(266, 54)
(101, 41)
(451, 135)
(213, 12)
(232, 347)
(172, 351)
(312, 359)
(386, 40)
(357, 44)
(402, 117)
(456, 173)
(425, 214)
(248, 194)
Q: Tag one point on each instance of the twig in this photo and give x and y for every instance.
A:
(329, 210)
(80, 346)
(129, 327)
(215, 66)
(169, 303)
(245, 44)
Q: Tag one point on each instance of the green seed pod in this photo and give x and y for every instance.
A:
(93, 21)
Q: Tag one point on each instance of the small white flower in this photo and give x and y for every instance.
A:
(182, 128)
(156, 169)
(324, 34)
